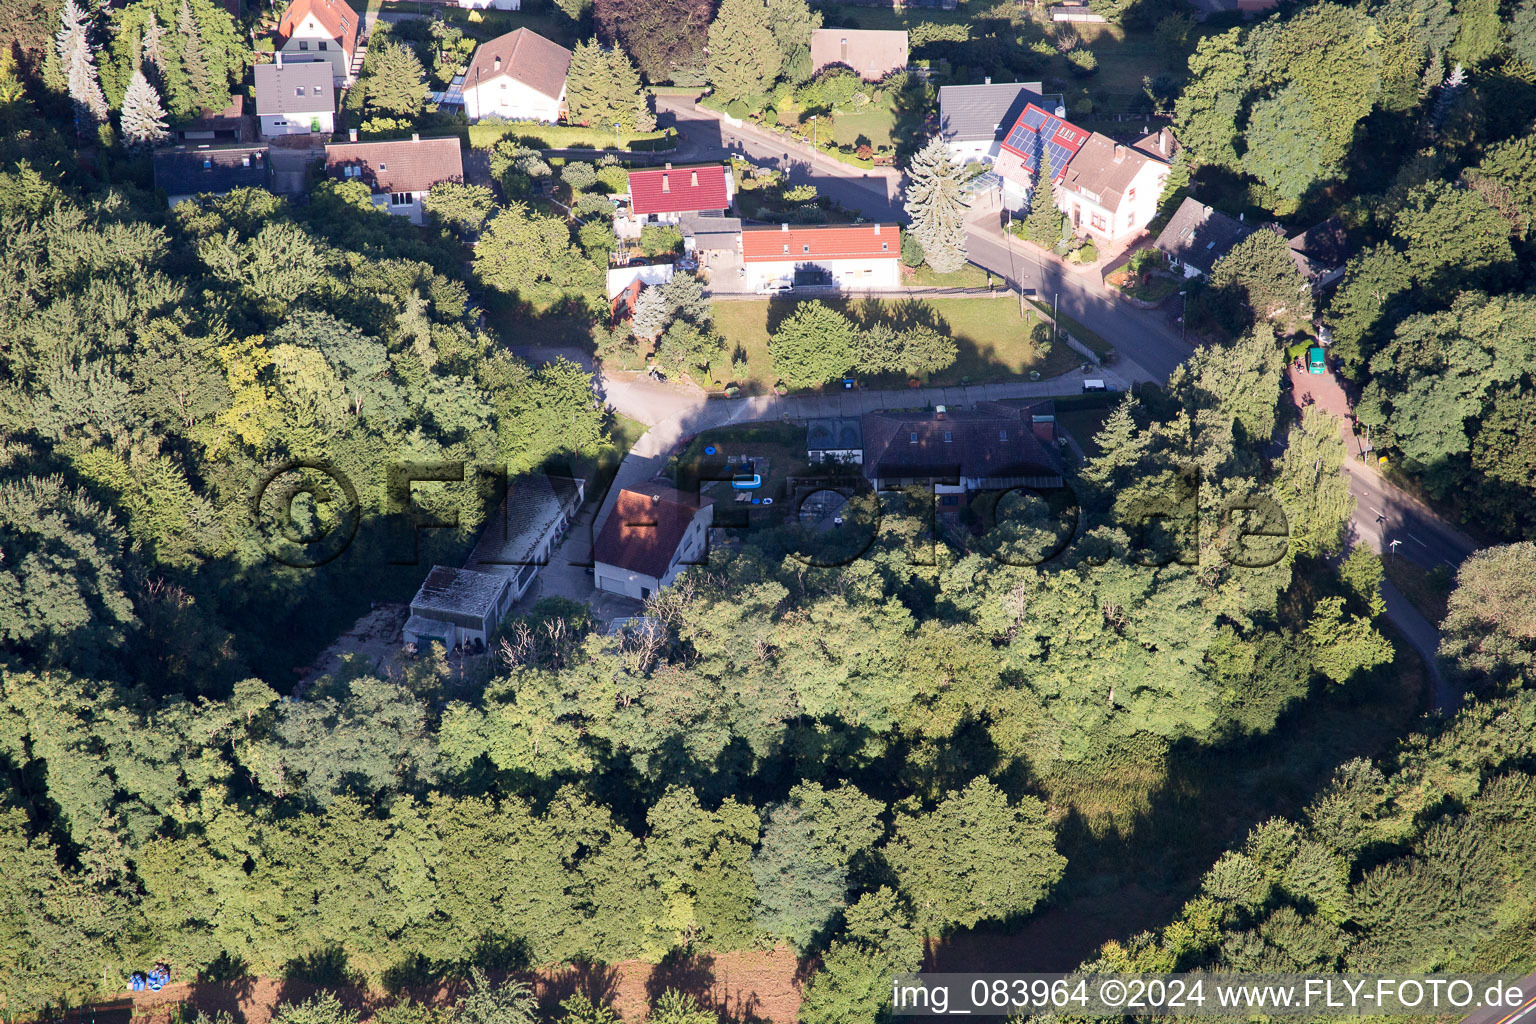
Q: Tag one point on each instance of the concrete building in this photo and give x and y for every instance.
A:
(322, 30)
(850, 256)
(295, 99)
(184, 173)
(873, 53)
(457, 607)
(532, 521)
(989, 447)
(1111, 190)
(398, 173)
(974, 118)
(1197, 236)
(664, 195)
(652, 534)
(519, 76)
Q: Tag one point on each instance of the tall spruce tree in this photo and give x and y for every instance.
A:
(152, 49)
(143, 116)
(1044, 223)
(743, 56)
(84, 85)
(936, 205)
(603, 89)
(194, 56)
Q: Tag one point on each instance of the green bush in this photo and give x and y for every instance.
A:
(580, 176)
(911, 250)
(1088, 253)
(1083, 62)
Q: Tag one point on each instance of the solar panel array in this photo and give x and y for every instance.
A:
(1036, 129)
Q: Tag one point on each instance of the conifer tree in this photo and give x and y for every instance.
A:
(84, 85)
(587, 83)
(632, 110)
(194, 59)
(392, 81)
(743, 56)
(152, 49)
(143, 115)
(936, 205)
(71, 23)
(1044, 223)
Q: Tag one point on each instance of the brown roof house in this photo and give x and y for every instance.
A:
(519, 76)
(1110, 190)
(873, 53)
(988, 447)
(1320, 253)
(652, 533)
(400, 173)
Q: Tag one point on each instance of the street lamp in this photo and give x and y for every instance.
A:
(617, 144)
(1183, 313)
(813, 131)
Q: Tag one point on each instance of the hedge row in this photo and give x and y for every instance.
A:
(486, 134)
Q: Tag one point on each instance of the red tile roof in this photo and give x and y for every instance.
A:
(678, 189)
(335, 16)
(645, 528)
(839, 242)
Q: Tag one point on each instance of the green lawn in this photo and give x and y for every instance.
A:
(1078, 330)
(994, 343)
(968, 276)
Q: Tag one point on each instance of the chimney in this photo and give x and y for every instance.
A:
(415, 136)
(784, 227)
(351, 134)
(844, 52)
(497, 65)
(938, 412)
(666, 182)
(693, 179)
(1162, 141)
(667, 166)
(877, 229)
(987, 80)
(1119, 153)
(278, 58)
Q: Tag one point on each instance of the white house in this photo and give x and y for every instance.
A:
(851, 256)
(496, 5)
(519, 539)
(974, 118)
(1035, 138)
(519, 77)
(457, 607)
(665, 194)
(322, 30)
(399, 173)
(652, 534)
(1111, 190)
(621, 278)
(295, 99)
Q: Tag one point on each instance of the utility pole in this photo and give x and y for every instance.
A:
(813, 131)
(1056, 314)
(617, 144)
(1183, 313)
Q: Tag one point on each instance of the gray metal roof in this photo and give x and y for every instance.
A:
(303, 87)
(974, 113)
(711, 233)
(512, 535)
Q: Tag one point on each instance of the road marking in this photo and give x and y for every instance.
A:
(1521, 1011)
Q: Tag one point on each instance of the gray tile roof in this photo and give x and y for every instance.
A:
(513, 535)
(187, 171)
(457, 595)
(973, 113)
(1198, 235)
(303, 87)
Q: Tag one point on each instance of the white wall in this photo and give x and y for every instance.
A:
(1134, 213)
(617, 580)
(304, 45)
(411, 209)
(500, 5)
(870, 273)
(273, 125)
(503, 97)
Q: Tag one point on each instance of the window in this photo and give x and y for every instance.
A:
(1002, 435)
(299, 91)
(948, 437)
(352, 172)
(383, 166)
(399, 199)
(912, 438)
(1130, 194)
(284, 124)
(343, 24)
(317, 90)
(949, 499)
(786, 248)
(324, 45)
(303, 46)
(885, 246)
(1098, 221)
(805, 248)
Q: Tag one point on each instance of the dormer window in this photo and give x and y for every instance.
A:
(805, 248)
(383, 166)
(885, 246)
(948, 437)
(912, 438)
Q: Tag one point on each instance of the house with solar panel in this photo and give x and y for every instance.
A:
(974, 119)
(665, 195)
(847, 256)
(1035, 134)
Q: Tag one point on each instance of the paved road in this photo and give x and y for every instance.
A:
(1525, 1013)
(1142, 337)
